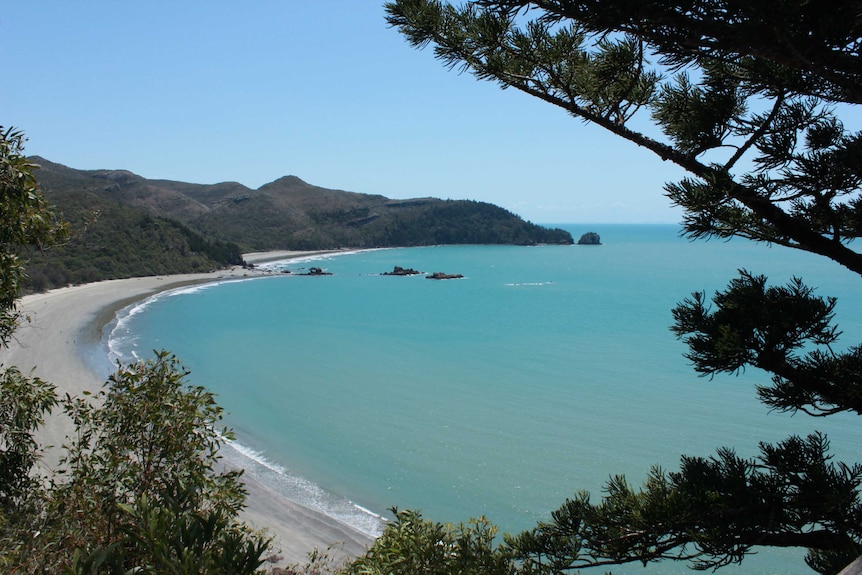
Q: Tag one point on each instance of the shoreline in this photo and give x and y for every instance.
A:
(56, 328)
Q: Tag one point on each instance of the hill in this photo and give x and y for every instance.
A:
(111, 241)
(127, 225)
(292, 214)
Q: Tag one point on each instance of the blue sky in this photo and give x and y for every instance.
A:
(222, 91)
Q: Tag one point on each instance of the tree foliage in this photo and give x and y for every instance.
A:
(720, 101)
(769, 327)
(411, 545)
(711, 512)
(112, 241)
(24, 402)
(25, 223)
(138, 489)
(142, 489)
(747, 98)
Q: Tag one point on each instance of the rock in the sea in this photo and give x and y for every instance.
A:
(399, 271)
(590, 239)
(316, 272)
(442, 276)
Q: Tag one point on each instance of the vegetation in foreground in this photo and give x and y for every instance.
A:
(725, 95)
(747, 98)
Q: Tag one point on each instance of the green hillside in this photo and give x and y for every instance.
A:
(126, 225)
(110, 241)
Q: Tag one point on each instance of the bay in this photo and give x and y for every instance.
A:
(544, 371)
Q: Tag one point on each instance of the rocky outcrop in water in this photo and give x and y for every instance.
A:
(316, 272)
(443, 276)
(590, 239)
(399, 271)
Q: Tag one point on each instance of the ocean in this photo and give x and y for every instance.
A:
(544, 371)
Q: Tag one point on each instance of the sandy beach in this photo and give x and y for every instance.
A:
(58, 323)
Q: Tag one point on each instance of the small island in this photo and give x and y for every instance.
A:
(443, 276)
(590, 239)
(399, 271)
(314, 271)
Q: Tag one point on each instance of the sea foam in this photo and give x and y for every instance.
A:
(302, 491)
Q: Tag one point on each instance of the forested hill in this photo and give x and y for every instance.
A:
(126, 225)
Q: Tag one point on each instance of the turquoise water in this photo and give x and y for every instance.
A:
(544, 371)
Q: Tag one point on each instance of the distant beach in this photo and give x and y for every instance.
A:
(60, 323)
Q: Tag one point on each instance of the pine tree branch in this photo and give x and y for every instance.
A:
(757, 134)
(828, 63)
(798, 230)
(787, 226)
